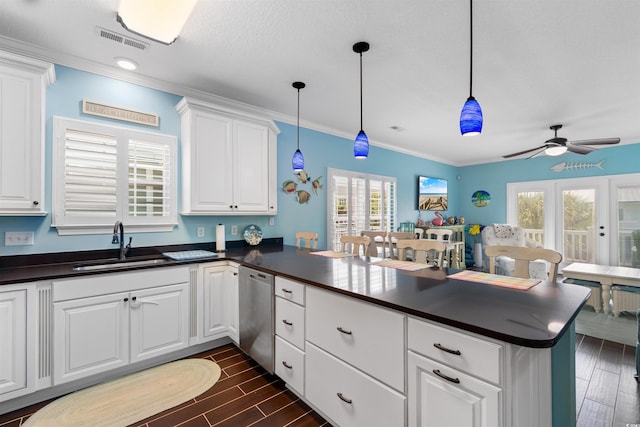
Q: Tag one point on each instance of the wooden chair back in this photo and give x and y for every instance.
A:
(424, 251)
(377, 244)
(522, 256)
(356, 242)
(420, 232)
(308, 237)
(394, 236)
(438, 234)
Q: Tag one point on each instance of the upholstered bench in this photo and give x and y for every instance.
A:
(625, 298)
(595, 300)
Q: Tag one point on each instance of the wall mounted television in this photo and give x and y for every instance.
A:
(433, 194)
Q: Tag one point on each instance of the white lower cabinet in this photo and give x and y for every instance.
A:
(219, 304)
(13, 341)
(440, 396)
(348, 396)
(102, 330)
(289, 364)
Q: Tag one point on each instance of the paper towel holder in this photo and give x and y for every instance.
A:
(220, 239)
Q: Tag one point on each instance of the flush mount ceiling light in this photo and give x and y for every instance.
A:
(471, 114)
(361, 144)
(126, 63)
(159, 20)
(297, 162)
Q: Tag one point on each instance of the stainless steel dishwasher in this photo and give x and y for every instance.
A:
(257, 309)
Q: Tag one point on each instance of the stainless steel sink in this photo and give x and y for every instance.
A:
(120, 264)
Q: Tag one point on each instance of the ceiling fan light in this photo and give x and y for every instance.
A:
(361, 146)
(297, 162)
(161, 21)
(556, 150)
(471, 118)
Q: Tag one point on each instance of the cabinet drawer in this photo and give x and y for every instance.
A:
(290, 322)
(290, 365)
(362, 334)
(290, 290)
(347, 396)
(476, 356)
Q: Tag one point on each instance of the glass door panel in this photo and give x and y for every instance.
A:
(628, 216)
(531, 214)
(579, 225)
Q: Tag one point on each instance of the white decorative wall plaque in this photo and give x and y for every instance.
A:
(117, 113)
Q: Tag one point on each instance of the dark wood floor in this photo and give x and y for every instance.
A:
(606, 393)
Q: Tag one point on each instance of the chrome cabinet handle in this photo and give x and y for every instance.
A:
(135, 303)
(344, 399)
(288, 291)
(286, 365)
(344, 331)
(448, 350)
(446, 377)
(286, 322)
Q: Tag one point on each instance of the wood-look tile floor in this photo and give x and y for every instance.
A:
(245, 395)
(607, 394)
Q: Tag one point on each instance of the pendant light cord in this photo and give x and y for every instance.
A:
(470, 48)
(361, 91)
(298, 119)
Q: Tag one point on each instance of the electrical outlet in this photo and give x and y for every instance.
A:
(272, 221)
(234, 230)
(18, 238)
(200, 231)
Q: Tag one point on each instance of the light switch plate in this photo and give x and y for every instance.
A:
(200, 231)
(234, 230)
(17, 238)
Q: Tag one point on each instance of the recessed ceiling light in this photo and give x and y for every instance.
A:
(126, 63)
(396, 128)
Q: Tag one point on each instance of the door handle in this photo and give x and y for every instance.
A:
(135, 303)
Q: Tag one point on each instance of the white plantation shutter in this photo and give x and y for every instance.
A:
(358, 202)
(105, 173)
(90, 167)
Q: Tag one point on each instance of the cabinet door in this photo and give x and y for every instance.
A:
(13, 340)
(159, 321)
(251, 167)
(208, 158)
(232, 303)
(441, 396)
(21, 142)
(90, 335)
(213, 307)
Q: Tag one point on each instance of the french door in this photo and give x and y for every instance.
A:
(591, 220)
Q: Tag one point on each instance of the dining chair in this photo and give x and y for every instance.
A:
(522, 256)
(356, 242)
(454, 255)
(309, 238)
(423, 251)
(394, 236)
(420, 232)
(378, 243)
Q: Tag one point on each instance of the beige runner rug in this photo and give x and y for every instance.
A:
(126, 400)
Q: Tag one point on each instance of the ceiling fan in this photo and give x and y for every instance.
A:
(557, 145)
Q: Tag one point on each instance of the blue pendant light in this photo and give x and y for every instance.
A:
(297, 162)
(361, 144)
(471, 114)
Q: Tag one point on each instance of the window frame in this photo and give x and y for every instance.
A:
(80, 224)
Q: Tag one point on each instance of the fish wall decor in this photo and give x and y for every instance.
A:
(569, 166)
(291, 187)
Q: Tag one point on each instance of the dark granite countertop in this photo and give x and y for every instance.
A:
(535, 318)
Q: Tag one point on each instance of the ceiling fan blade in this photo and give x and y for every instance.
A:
(537, 153)
(519, 153)
(601, 141)
(579, 149)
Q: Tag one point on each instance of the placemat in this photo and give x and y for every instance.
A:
(332, 254)
(400, 265)
(495, 279)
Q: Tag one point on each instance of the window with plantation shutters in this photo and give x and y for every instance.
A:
(103, 173)
(359, 202)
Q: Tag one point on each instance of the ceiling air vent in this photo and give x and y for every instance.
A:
(119, 38)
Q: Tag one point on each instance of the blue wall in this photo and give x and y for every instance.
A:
(321, 151)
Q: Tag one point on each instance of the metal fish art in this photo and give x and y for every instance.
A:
(316, 185)
(289, 186)
(303, 196)
(303, 176)
(568, 166)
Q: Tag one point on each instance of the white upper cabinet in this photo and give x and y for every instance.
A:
(228, 161)
(23, 84)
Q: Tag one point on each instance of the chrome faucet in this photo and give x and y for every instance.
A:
(118, 237)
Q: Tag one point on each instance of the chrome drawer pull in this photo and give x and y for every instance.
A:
(286, 322)
(344, 399)
(288, 291)
(448, 378)
(448, 350)
(286, 365)
(344, 331)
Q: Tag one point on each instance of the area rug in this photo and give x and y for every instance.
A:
(127, 400)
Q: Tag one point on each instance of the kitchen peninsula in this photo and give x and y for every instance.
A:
(418, 343)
